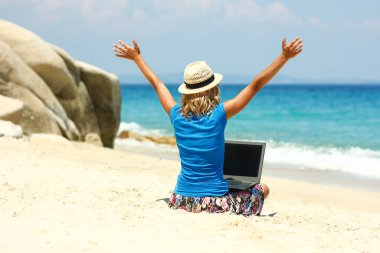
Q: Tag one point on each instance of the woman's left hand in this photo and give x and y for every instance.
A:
(125, 51)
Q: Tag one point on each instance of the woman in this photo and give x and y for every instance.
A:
(199, 124)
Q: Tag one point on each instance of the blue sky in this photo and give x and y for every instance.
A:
(341, 38)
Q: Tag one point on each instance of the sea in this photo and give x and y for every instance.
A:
(320, 127)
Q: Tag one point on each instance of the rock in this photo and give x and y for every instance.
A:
(9, 129)
(104, 90)
(126, 134)
(60, 96)
(69, 62)
(168, 140)
(79, 109)
(93, 139)
(40, 57)
(10, 109)
(42, 111)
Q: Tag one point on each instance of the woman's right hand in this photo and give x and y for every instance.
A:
(125, 51)
(292, 49)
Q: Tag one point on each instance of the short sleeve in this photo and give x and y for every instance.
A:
(220, 114)
(174, 112)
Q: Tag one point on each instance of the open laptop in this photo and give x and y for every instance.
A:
(243, 163)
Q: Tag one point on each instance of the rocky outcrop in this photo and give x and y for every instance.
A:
(9, 129)
(59, 95)
(168, 140)
(104, 91)
(10, 109)
(42, 111)
(40, 57)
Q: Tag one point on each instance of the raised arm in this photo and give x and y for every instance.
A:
(241, 100)
(125, 51)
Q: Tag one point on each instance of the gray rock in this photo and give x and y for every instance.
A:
(59, 95)
(104, 90)
(8, 129)
(42, 111)
(39, 56)
(81, 111)
(93, 139)
(10, 109)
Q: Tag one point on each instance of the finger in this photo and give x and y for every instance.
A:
(298, 52)
(283, 42)
(120, 48)
(117, 47)
(296, 44)
(299, 47)
(136, 46)
(119, 51)
(120, 55)
(293, 41)
(124, 44)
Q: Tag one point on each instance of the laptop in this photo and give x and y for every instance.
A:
(243, 163)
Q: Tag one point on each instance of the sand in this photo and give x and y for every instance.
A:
(61, 196)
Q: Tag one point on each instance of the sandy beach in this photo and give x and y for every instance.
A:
(62, 196)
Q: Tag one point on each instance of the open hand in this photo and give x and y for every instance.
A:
(125, 51)
(293, 48)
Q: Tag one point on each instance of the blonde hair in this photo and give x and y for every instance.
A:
(201, 103)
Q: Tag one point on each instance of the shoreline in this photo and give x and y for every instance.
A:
(323, 177)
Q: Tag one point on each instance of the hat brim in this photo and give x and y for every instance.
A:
(184, 90)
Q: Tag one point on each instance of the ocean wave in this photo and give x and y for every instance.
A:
(353, 160)
(137, 128)
(128, 144)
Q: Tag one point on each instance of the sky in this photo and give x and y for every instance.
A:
(235, 37)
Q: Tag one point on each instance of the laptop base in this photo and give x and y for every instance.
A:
(239, 185)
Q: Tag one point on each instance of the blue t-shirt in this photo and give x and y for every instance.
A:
(200, 141)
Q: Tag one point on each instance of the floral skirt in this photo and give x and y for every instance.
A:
(245, 202)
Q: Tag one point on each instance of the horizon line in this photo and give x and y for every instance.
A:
(275, 84)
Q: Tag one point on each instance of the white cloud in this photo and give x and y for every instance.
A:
(160, 16)
(255, 13)
(101, 11)
(315, 21)
(371, 24)
(191, 8)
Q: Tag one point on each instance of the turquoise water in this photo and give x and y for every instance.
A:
(299, 122)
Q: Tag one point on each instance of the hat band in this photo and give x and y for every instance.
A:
(201, 84)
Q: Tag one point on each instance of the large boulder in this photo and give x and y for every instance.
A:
(60, 96)
(104, 90)
(10, 109)
(79, 109)
(42, 113)
(69, 62)
(40, 57)
(8, 129)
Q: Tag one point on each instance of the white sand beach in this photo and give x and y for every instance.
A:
(62, 196)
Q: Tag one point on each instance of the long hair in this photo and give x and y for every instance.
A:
(201, 103)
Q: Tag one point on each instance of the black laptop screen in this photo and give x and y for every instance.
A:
(242, 159)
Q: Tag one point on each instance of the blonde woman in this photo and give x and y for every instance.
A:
(199, 123)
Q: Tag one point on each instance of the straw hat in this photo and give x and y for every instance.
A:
(198, 77)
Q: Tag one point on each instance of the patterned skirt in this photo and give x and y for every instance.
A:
(246, 202)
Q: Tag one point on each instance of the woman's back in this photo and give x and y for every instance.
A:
(200, 141)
